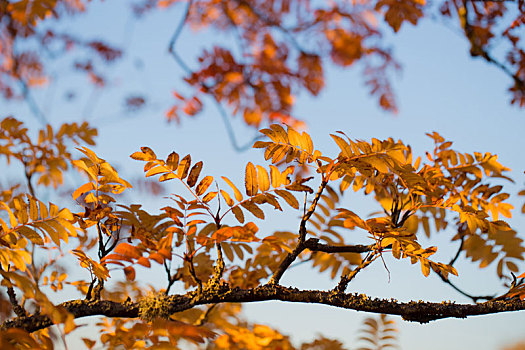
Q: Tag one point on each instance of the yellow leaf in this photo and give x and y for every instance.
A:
(12, 219)
(91, 155)
(33, 209)
(53, 210)
(264, 179)
(43, 210)
(159, 169)
(53, 229)
(184, 165)
(254, 209)
(228, 251)
(140, 156)
(425, 266)
(4, 226)
(379, 163)
(250, 180)
(208, 197)
(30, 234)
(307, 141)
(279, 153)
(238, 195)
(167, 176)
(65, 214)
(346, 150)
(227, 198)
(289, 198)
(204, 185)
(128, 250)
(275, 176)
(295, 138)
(172, 161)
(83, 189)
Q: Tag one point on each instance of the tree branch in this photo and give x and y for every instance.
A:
(345, 279)
(477, 50)
(474, 298)
(19, 310)
(208, 89)
(290, 257)
(314, 245)
(422, 312)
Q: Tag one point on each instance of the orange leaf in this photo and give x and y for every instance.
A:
(128, 250)
(129, 271)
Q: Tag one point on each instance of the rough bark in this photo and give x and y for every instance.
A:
(419, 311)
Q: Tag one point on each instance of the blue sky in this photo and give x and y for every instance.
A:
(441, 88)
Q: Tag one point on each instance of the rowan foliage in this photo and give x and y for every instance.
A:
(280, 48)
(208, 239)
(208, 242)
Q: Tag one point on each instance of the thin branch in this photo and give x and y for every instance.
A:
(345, 279)
(314, 245)
(219, 268)
(29, 183)
(420, 311)
(33, 106)
(193, 274)
(271, 23)
(478, 51)
(204, 317)
(460, 249)
(175, 37)
(168, 273)
(19, 310)
(229, 128)
(89, 292)
(101, 249)
(474, 298)
(208, 89)
(290, 257)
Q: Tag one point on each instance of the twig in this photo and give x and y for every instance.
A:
(208, 89)
(230, 131)
(33, 106)
(193, 274)
(314, 245)
(460, 249)
(204, 317)
(28, 179)
(19, 310)
(476, 50)
(345, 279)
(290, 257)
(474, 298)
(274, 24)
(219, 268)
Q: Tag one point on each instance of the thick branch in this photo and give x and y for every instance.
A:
(79, 309)
(422, 312)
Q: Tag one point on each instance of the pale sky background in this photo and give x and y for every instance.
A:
(441, 88)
